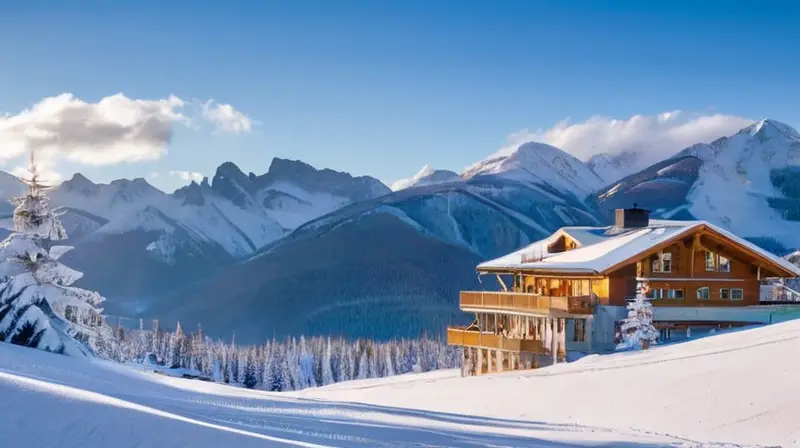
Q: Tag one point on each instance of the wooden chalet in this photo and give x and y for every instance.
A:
(567, 292)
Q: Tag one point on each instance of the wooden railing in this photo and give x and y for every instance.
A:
(462, 337)
(517, 301)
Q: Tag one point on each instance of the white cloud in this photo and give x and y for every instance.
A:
(187, 175)
(226, 119)
(116, 129)
(654, 137)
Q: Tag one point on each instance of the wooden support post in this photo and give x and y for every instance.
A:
(502, 283)
(479, 369)
(554, 340)
(563, 336)
(499, 359)
(695, 243)
(588, 329)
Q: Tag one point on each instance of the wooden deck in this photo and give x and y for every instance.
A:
(462, 337)
(523, 302)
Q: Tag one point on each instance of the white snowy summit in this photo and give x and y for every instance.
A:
(613, 167)
(540, 163)
(38, 307)
(426, 176)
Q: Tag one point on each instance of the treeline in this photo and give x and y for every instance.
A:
(281, 365)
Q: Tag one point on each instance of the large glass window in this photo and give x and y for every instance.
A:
(718, 263)
(703, 293)
(737, 294)
(711, 262)
(663, 262)
(724, 264)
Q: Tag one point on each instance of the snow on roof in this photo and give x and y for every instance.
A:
(601, 248)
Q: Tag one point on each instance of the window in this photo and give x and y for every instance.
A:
(659, 293)
(675, 294)
(580, 330)
(663, 262)
(666, 262)
(703, 293)
(724, 264)
(737, 294)
(718, 263)
(725, 294)
(711, 261)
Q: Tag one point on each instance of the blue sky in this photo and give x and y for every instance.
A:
(382, 88)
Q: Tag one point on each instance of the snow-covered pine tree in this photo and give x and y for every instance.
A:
(249, 378)
(327, 371)
(637, 329)
(38, 306)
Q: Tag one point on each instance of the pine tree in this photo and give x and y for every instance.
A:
(363, 366)
(637, 329)
(276, 377)
(249, 379)
(327, 372)
(38, 306)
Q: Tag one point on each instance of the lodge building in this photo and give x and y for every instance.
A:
(566, 294)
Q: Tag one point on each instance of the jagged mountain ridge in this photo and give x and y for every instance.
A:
(169, 239)
(385, 267)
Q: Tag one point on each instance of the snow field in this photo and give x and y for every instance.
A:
(733, 389)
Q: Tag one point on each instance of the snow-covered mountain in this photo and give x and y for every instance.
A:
(134, 240)
(426, 176)
(293, 192)
(613, 167)
(399, 259)
(748, 182)
(539, 163)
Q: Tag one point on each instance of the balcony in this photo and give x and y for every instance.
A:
(462, 337)
(523, 302)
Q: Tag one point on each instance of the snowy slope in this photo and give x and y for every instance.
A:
(540, 163)
(426, 176)
(400, 259)
(748, 183)
(613, 167)
(172, 239)
(708, 392)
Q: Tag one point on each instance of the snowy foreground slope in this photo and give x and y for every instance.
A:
(736, 389)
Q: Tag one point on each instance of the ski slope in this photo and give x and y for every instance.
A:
(734, 389)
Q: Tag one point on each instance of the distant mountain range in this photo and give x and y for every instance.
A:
(301, 250)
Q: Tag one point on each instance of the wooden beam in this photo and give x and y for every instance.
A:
(695, 243)
(502, 283)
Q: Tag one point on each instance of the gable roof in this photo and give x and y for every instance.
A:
(603, 249)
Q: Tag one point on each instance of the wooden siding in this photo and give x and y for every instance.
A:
(523, 302)
(750, 289)
(688, 273)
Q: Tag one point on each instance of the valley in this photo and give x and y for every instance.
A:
(315, 251)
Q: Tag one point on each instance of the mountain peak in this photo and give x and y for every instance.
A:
(231, 183)
(767, 128)
(80, 184)
(426, 176)
(539, 163)
(328, 180)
